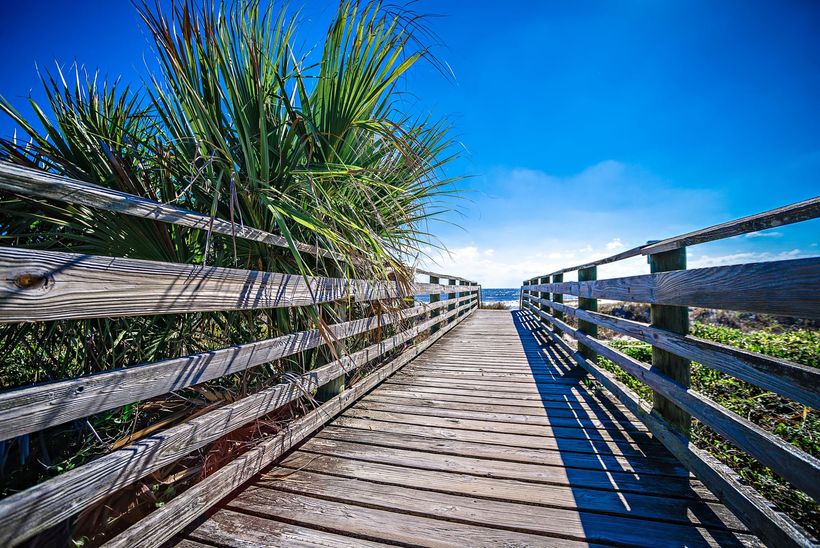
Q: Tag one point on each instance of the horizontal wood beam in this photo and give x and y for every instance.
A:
(787, 288)
(33, 408)
(166, 521)
(786, 215)
(791, 380)
(41, 184)
(774, 528)
(634, 252)
(795, 466)
(50, 285)
(790, 214)
(446, 277)
(29, 512)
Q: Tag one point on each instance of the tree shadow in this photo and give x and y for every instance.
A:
(614, 467)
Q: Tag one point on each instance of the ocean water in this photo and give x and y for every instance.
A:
(506, 295)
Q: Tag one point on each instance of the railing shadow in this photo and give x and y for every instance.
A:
(613, 466)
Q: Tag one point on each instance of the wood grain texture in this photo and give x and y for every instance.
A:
(585, 303)
(395, 468)
(634, 252)
(666, 509)
(165, 522)
(557, 297)
(546, 420)
(445, 277)
(789, 379)
(386, 435)
(36, 407)
(504, 515)
(40, 184)
(773, 527)
(786, 288)
(382, 525)
(582, 478)
(49, 285)
(595, 446)
(797, 467)
(674, 319)
(26, 513)
(790, 214)
(229, 528)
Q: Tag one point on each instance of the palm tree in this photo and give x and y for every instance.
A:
(236, 123)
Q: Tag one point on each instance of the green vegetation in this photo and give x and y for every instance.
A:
(791, 421)
(800, 345)
(494, 306)
(240, 122)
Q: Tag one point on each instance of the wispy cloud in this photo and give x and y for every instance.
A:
(508, 267)
(523, 223)
(701, 261)
(614, 245)
(764, 235)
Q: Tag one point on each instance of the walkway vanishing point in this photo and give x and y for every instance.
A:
(444, 425)
(491, 437)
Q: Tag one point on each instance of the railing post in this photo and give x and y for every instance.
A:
(558, 297)
(434, 298)
(587, 275)
(542, 295)
(451, 307)
(531, 282)
(676, 320)
(337, 385)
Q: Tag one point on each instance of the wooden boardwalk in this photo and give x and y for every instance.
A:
(489, 438)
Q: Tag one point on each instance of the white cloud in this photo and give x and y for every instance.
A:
(509, 266)
(521, 223)
(764, 234)
(614, 244)
(703, 261)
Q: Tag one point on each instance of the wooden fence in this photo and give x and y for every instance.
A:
(790, 288)
(47, 285)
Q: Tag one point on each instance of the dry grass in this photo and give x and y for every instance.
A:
(494, 306)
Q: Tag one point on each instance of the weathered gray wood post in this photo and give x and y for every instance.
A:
(584, 303)
(531, 282)
(676, 320)
(558, 297)
(544, 295)
(337, 385)
(434, 298)
(452, 306)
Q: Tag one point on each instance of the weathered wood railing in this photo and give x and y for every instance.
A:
(790, 288)
(47, 285)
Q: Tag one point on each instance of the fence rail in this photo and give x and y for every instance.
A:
(38, 286)
(788, 288)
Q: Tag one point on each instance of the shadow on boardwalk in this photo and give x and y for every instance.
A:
(612, 463)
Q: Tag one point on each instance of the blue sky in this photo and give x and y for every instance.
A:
(587, 127)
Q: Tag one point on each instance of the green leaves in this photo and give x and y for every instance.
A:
(236, 123)
(793, 422)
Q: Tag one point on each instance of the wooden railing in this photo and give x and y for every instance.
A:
(790, 288)
(47, 285)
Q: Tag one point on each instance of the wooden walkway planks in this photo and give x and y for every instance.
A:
(489, 438)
